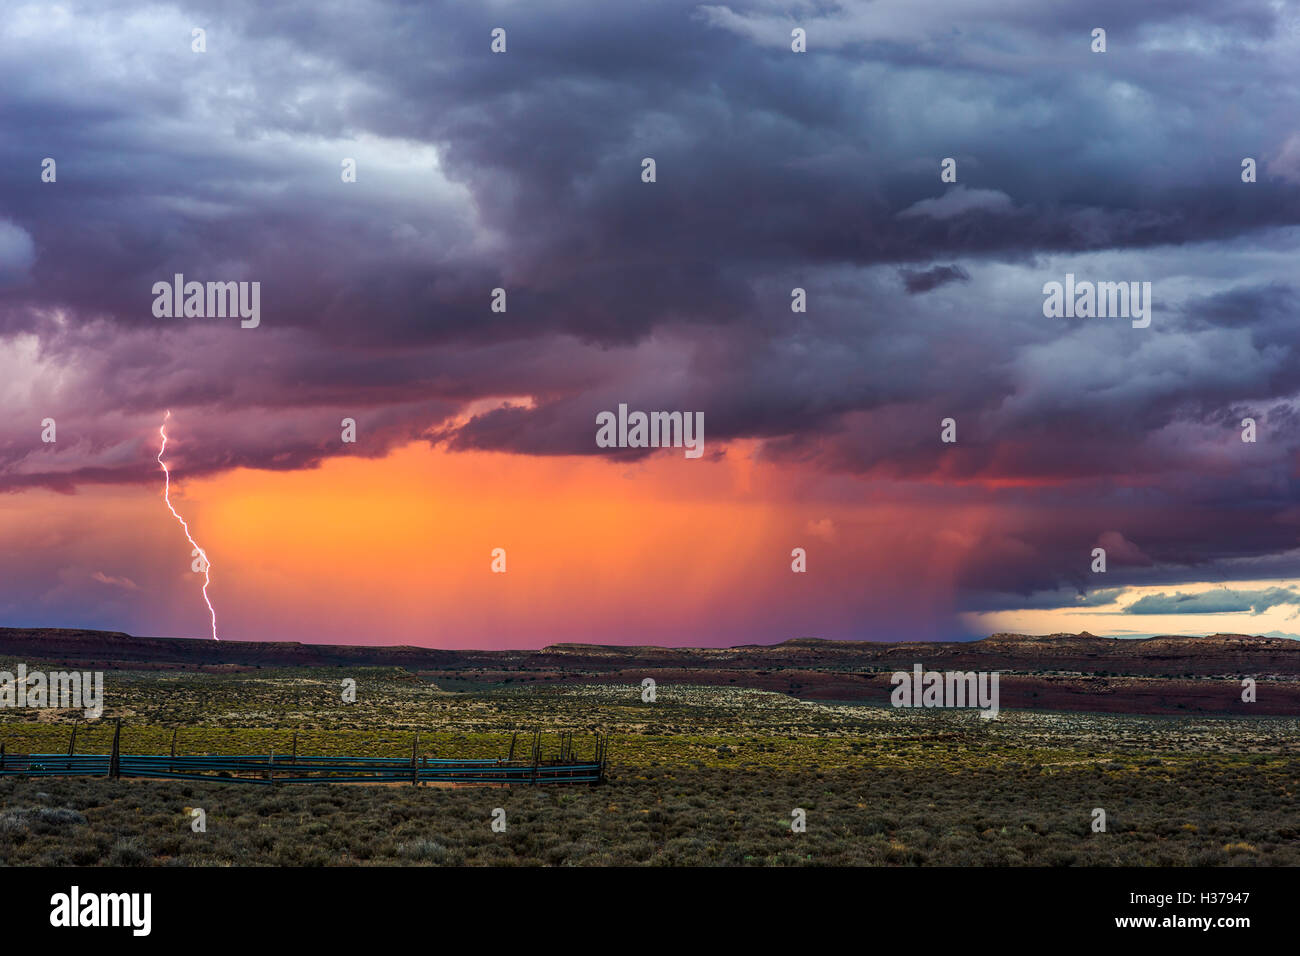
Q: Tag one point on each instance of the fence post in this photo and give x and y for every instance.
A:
(295, 746)
(72, 744)
(270, 768)
(115, 760)
(512, 746)
(415, 772)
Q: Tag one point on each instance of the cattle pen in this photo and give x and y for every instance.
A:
(270, 769)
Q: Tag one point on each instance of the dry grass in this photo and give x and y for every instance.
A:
(702, 776)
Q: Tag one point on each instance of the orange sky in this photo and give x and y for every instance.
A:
(398, 550)
(666, 550)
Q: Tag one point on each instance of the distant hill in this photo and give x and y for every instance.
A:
(1216, 654)
(1166, 674)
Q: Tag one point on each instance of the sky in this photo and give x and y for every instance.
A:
(775, 170)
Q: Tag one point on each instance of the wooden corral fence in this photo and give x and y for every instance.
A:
(537, 769)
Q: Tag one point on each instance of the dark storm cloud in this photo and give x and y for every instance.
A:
(775, 171)
(1213, 602)
(1045, 600)
(917, 282)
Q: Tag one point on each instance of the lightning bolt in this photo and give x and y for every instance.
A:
(167, 484)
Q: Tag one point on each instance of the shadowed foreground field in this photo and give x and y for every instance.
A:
(704, 775)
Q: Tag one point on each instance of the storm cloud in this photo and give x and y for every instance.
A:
(1213, 602)
(775, 171)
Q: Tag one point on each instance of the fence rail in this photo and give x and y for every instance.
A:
(272, 769)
